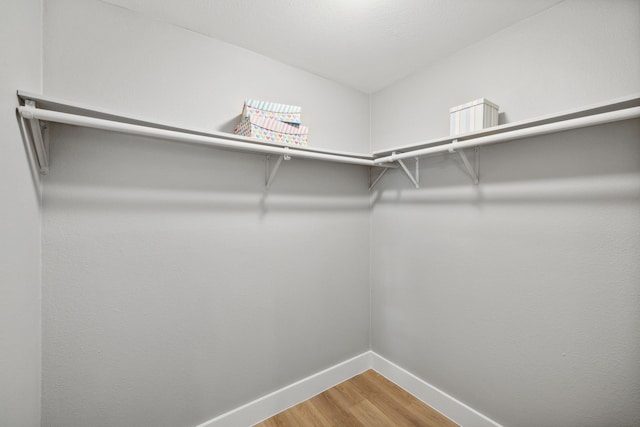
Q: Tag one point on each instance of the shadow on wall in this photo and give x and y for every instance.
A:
(97, 169)
(584, 165)
(25, 135)
(94, 169)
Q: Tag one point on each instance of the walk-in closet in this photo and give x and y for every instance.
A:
(320, 213)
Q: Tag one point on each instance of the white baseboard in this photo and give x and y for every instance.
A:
(447, 405)
(280, 400)
(273, 403)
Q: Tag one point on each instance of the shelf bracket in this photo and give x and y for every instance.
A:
(375, 181)
(270, 174)
(414, 179)
(39, 138)
(473, 171)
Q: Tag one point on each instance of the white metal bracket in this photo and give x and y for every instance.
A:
(270, 174)
(414, 179)
(473, 171)
(374, 181)
(39, 138)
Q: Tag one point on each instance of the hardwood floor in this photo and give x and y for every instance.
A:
(366, 400)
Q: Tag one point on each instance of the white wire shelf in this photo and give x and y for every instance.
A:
(38, 110)
(588, 110)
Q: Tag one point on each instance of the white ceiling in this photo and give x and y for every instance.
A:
(365, 44)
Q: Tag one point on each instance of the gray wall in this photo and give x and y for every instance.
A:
(574, 54)
(108, 57)
(175, 288)
(520, 296)
(20, 268)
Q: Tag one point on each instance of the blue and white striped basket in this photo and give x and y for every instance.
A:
(271, 110)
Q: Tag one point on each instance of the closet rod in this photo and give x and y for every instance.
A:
(31, 113)
(597, 119)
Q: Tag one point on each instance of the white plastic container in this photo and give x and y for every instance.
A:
(473, 116)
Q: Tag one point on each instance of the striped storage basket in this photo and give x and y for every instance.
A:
(473, 116)
(272, 130)
(271, 110)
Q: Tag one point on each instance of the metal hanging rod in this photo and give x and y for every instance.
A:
(620, 103)
(32, 113)
(596, 119)
(59, 111)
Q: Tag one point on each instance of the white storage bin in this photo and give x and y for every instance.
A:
(472, 116)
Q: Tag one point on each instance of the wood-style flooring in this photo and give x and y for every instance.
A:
(366, 400)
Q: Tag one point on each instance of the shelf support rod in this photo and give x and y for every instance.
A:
(470, 169)
(477, 163)
(375, 181)
(39, 138)
(406, 171)
(272, 174)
